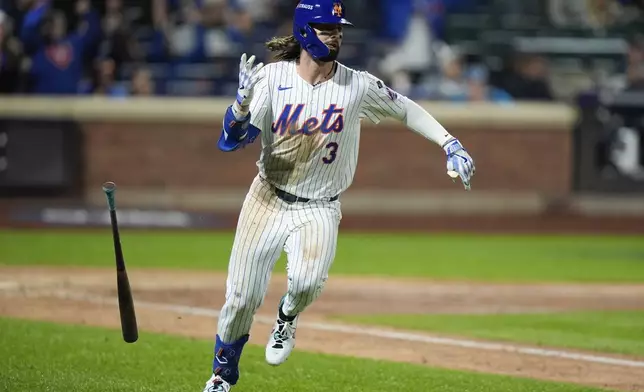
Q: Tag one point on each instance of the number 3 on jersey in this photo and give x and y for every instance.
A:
(333, 149)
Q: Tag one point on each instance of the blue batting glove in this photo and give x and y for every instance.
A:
(459, 162)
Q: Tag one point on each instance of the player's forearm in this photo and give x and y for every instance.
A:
(423, 123)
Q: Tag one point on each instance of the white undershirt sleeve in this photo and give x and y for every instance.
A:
(423, 123)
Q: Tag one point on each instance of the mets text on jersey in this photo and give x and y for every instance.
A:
(290, 117)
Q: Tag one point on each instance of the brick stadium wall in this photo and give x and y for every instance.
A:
(185, 156)
(162, 153)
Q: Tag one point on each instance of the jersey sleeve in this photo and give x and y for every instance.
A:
(381, 101)
(260, 106)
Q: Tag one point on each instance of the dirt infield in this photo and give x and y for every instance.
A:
(185, 303)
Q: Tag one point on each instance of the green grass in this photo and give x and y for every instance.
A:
(475, 257)
(49, 357)
(610, 332)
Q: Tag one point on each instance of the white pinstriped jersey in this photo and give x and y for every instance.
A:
(310, 134)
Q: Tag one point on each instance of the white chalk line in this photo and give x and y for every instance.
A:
(373, 332)
(8, 285)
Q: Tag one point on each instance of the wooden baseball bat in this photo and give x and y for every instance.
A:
(129, 326)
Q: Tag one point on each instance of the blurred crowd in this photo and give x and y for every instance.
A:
(123, 48)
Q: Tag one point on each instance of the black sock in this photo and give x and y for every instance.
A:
(285, 317)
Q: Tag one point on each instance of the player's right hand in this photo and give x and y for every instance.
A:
(248, 76)
(459, 162)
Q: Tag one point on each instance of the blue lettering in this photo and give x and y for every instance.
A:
(287, 121)
(338, 125)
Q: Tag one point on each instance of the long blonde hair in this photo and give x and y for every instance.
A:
(286, 48)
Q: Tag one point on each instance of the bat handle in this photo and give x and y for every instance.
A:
(110, 188)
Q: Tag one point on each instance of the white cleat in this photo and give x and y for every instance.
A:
(217, 384)
(281, 342)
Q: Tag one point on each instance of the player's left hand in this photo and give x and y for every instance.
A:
(459, 162)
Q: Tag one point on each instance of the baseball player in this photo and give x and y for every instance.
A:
(306, 109)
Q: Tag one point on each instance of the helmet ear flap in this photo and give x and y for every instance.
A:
(309, 40)
(307, 31)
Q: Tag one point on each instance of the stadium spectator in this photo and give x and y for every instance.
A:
(631, 78)
(104, 81)
(13, 10)
(193, 31)
(412, 38)
(248, 15)
(57, 57)
(459, 82)
(196, 43)
(527, 80)
(119, 42)
(142, 84)
(258, 11)
(415, 31)
(221, 38)
(11, 59)
(479, 90)
(449, 82)
(635, 64)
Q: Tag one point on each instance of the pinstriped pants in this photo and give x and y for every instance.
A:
(307, 232)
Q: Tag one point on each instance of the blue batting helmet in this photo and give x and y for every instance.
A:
(316, 11)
